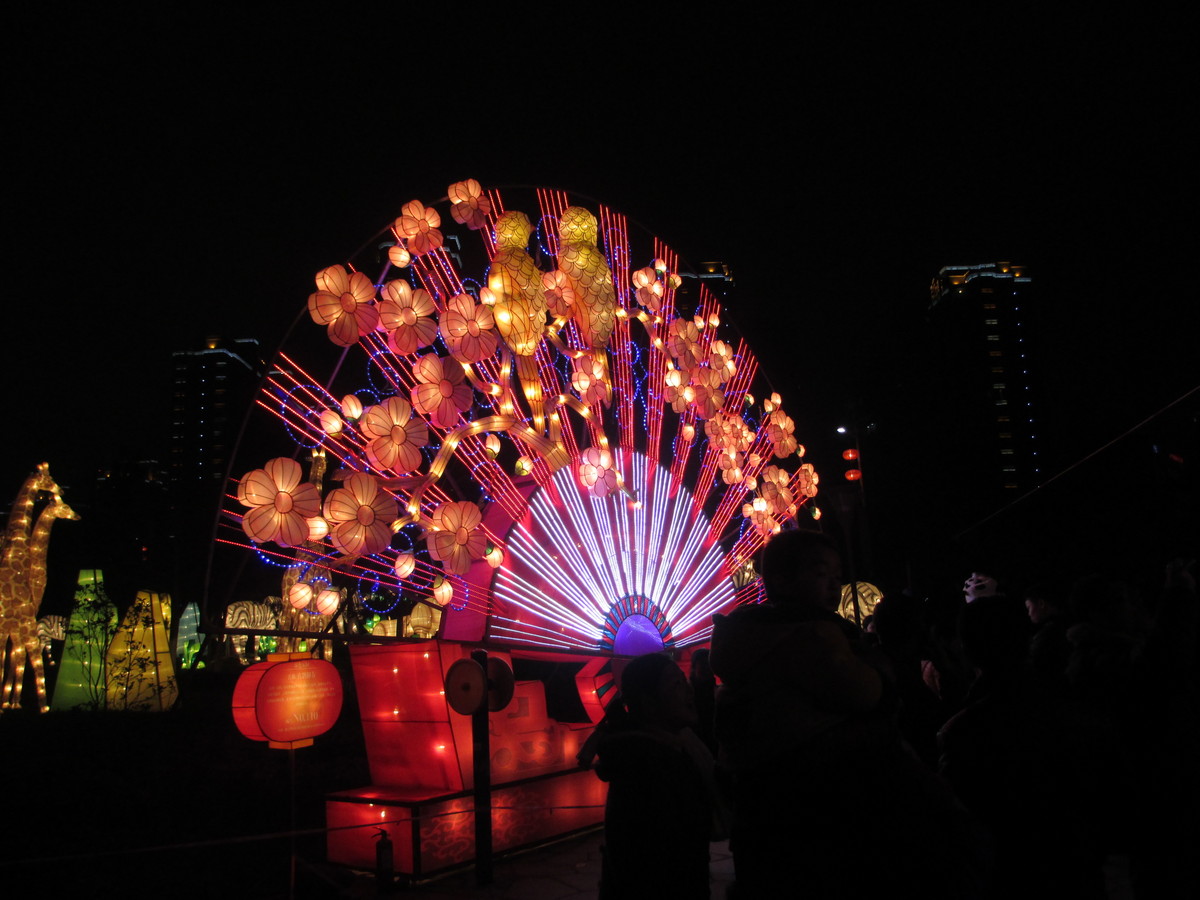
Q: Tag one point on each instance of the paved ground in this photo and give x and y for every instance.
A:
(567, 870)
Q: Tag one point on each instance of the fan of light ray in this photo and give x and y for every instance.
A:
(575, 556)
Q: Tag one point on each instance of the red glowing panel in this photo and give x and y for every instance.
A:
(287, 701)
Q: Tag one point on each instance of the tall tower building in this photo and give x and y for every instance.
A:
(983, 319)
(211, 391)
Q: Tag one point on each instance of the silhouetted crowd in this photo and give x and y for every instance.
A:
(993, 743)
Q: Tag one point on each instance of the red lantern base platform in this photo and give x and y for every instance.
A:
(433, 833)
(420, 758)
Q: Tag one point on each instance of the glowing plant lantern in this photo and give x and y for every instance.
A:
(81, 675)
(492, 445)
(139, 667)
(287, 700)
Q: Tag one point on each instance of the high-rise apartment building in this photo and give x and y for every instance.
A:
(211, 392)
(983, 319)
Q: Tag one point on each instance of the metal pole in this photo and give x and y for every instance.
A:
(481, 751)
(292, 827)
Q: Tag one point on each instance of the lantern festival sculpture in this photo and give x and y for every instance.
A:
(533, 426)
(23, 584)
(533, 429)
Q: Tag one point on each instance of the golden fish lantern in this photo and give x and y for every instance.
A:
(300, 595)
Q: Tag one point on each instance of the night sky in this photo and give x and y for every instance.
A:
(176, 176)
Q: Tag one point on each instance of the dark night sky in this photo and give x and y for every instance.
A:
(174, 177)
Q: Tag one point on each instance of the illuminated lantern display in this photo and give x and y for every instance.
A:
(327, 602)
(139, 667)
(868, 596)
(22, 584)
(188, 638)
(300, 595)
(534, 431)
(93, 622)
(553, 447)
(287, 700)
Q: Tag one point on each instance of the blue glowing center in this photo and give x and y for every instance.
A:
(637, 635)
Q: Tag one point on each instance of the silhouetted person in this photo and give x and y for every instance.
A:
(659, 814)
(1011, 758)
(1049, 649)
(805, 726)
(704, 689)
(901, 634)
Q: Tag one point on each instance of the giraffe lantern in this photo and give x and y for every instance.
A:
(23, 582)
